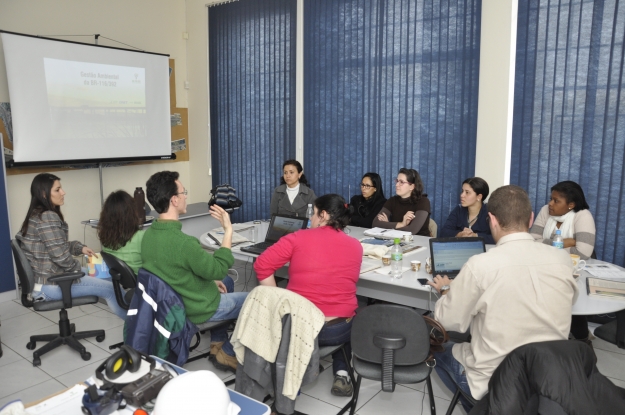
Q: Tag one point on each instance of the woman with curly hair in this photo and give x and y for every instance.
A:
(119, 229)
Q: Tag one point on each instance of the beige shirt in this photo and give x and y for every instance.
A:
(516, 293)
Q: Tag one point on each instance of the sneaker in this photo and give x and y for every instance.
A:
(342, 386)
(224, 362)
(215, 347)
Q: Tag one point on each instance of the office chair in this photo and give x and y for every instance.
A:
(67, 331)
(456, 397)
(391, 343)
(433, 228)
(122, 277)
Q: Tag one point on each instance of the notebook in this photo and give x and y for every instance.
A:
(450, 254)
(279, 226)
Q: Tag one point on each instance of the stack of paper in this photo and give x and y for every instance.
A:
(386, 233)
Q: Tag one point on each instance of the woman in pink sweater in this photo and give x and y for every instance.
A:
(324, 268)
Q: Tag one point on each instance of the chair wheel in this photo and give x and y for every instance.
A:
(101, 338)
(85, 356)
(36, 361)
(31, 345)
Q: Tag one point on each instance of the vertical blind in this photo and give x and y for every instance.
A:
(569, 108)
(252, 98)
(391, 84)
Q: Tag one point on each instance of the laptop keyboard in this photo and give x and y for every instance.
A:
(260, 245)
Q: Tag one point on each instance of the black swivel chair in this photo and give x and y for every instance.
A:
(67, 332)
(391, 343)
(122, 277)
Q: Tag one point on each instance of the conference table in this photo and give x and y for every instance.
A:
(407, 290)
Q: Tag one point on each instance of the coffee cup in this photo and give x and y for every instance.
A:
(578, 263)
(415, 265)
(386, 260)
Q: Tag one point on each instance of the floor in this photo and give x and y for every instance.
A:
(62, 368)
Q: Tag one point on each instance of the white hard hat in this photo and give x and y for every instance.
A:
(199, 392)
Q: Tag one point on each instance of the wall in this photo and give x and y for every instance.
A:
(495, 102)
(152, 25)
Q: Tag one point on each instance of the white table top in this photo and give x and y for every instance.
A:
(408, 291)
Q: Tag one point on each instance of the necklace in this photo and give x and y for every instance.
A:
(472, 221)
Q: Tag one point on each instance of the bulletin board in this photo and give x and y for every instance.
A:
(179, 135)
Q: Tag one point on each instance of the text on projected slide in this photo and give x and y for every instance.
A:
(74, 84)
(95, 101)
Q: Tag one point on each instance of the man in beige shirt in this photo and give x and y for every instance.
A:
(518, 292)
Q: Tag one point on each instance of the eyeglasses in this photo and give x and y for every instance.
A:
(400, 182)
(366, 186)
(184, 192)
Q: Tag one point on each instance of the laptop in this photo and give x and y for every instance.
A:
(450, 254)
(279, 226)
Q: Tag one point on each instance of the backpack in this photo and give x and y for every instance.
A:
(225, 196)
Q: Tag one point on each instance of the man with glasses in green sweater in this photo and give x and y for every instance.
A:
(180, 261)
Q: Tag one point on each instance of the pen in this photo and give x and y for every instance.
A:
(384, 230)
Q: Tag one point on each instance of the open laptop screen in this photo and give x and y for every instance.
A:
(283, 225)
(450, 254)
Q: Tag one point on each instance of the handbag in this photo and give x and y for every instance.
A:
(438, 337)
(225, 196)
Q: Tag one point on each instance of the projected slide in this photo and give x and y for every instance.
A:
(79, 84)
(95, 101)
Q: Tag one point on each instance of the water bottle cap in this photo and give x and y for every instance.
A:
(310, 205)
(397, 240)
(558, 232)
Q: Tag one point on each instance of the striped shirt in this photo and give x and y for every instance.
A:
(46, 246)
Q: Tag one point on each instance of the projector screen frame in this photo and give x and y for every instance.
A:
(91, 161)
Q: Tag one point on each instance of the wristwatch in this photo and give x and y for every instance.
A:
(444, 289)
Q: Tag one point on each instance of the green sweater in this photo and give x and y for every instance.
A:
(180, 261)
(129, 253)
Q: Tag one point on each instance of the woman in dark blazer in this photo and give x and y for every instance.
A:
(293, 195)
(369, 202)
(470, 217)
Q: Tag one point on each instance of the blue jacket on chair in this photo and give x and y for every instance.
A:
(157, 323)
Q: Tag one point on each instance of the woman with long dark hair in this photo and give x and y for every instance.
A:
(470, 217)
(367, 204)
(324, 268)
(409, 209)
(44, 240)
(569, 212)
(119, 229)
(293, 195)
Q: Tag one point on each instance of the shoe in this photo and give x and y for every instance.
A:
(224, 362)
(215, 347)
(341, 386)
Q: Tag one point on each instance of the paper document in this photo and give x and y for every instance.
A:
(369, 264)
(218, 237)
(386, 233)
(606, 272)
(65, 403)
(596, 286)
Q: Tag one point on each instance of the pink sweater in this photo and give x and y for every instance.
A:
(325, 266)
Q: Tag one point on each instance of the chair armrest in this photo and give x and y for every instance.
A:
(64, 281)
(66, 276)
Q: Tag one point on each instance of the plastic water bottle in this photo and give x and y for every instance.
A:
(309, 214)
(396, 259)
(558, 242)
